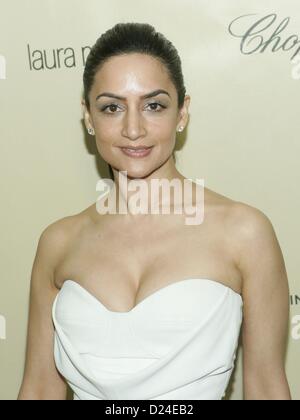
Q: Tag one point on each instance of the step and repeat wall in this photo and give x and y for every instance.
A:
(241, 63)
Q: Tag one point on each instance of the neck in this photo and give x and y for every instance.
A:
(147, 189)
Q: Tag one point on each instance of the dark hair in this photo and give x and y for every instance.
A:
(126, 38)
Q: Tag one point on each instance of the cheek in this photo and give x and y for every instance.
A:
(104, 147)
(106, 136)
(167, 137)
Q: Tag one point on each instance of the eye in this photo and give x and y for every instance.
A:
(113, 107)
(156, 103)
(110, 106)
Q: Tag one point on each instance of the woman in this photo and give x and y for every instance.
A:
(136, 306)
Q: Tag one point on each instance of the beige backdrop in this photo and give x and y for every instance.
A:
(243, 135)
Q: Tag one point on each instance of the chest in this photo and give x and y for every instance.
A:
(123, 265)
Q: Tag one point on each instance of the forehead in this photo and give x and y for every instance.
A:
(133, 73)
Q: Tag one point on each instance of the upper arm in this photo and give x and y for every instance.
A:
(266, 306)
(41, 378)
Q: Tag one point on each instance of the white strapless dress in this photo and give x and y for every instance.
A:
(179, 343)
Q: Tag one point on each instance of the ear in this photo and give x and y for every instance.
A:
(86, 115)
(183, 116)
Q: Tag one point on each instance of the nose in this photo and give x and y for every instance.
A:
(133, 125)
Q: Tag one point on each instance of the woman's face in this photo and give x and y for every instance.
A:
(133, 120)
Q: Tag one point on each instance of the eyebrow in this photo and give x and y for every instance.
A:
(148, 95)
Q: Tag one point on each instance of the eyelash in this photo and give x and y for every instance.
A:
(115, 105)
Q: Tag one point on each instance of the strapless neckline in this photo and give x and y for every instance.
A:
(147, 299)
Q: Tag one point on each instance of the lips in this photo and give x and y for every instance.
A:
(137, 148)
(141, 151)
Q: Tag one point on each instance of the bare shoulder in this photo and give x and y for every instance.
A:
(265, 291)
(259, 255)
(41, 378)
(251, 226)
(243, 220)
(250, 233)
(56, 234)
(55, 239)
(265, 294)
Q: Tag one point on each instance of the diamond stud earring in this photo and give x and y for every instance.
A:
(91, 131)
(180, 129)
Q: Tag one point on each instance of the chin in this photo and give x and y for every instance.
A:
(137, 173)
